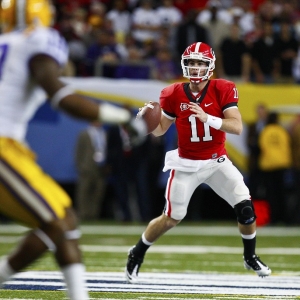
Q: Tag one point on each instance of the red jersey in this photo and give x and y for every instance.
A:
(197, 140)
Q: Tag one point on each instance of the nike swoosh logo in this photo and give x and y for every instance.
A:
(207, 104)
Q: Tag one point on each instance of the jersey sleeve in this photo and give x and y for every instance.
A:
(229, 95)
(48, 41)
(165, 101)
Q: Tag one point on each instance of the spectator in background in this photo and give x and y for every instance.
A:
(255, 180)
(90, 160)
(102, 48)
(79, 23)
(296, 66)
(295, 137)
(74, 28)
(252, 36)
(235, 58)
(246, 21)
(185, 6)
(165, 67)
(145, 23)
(269, 11)
(134, 66)
(263, 53)
(189, 32)
(287, 48)
(128, 159)
(275, 160)
(170, 17)
(168, 14)
(121, 19)
(214, 11)
(97, 11)
(216, 20)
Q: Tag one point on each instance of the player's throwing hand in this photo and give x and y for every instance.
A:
(199, 112)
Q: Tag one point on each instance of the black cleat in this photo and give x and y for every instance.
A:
(254, 263)
(133, 266)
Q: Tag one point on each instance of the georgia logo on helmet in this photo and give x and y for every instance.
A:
(18, 14)
(198, 51)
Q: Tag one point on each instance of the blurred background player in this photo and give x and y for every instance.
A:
(203, 111)
(90, 159)
(31, 58)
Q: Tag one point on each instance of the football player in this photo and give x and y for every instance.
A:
(31, 57)
(203, 110)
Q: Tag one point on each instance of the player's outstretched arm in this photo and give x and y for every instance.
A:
(45, 71)
(163, 126)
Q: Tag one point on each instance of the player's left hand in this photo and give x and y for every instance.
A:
(145, 104)
(198, 112)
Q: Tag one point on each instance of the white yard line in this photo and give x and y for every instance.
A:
(179, 249)
(179, 230)
(170, 283)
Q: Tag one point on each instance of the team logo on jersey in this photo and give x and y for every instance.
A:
(184, 106)
(221, 159)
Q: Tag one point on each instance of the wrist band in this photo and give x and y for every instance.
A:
(112, 114)
(60, 94)
(214, 122)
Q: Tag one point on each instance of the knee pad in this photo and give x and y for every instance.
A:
(177, 214)
(245, 212)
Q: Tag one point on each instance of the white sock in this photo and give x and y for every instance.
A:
(145, 241)
(249, 236)
(74, 279)
(6, 271)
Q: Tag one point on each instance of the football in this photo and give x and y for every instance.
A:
(150, 113)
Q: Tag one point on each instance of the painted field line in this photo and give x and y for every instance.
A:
(191, 249)
(178, 230)
(167, 283)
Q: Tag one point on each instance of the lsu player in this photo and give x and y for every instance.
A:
(31, 58)
(203, 110)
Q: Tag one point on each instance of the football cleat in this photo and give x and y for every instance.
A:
(254, 263)
(133, 266)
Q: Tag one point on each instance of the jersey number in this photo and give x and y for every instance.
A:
(3, 53)
(195, 138)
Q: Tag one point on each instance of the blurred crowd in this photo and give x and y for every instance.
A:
(254, 40)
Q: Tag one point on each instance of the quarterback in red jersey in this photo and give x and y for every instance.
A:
(203, 110)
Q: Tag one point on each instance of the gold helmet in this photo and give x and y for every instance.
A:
(16, 14)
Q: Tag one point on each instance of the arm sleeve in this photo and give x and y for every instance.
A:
(165, 102)
(49, 42)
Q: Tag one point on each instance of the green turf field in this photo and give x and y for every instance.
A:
(190, 248)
